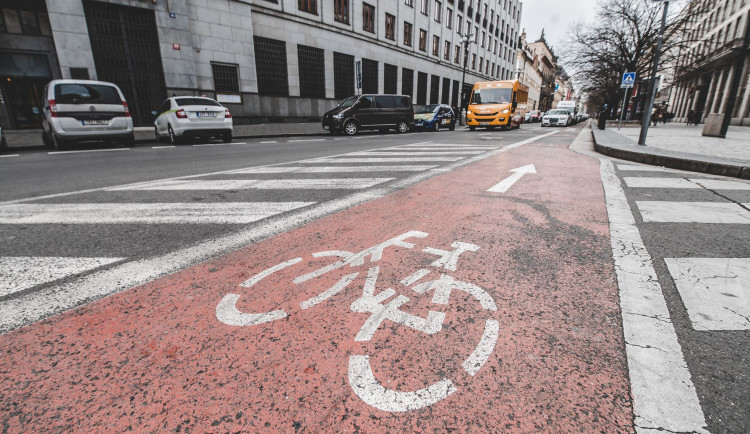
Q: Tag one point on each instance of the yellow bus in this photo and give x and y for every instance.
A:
(497, 104)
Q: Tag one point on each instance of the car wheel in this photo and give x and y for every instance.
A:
(436, 128)
(130, 141)
(156, 134)
(402, 127)
(452, 127)
(351, 128)
(472, 128)
(172, 137)
(45, 139)
(227, 138)
(57, 143)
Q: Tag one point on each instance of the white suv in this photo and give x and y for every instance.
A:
(81, 110)
(190, 116)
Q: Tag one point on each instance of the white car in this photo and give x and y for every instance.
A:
(184, 117)
(83, 110)
(557, 118)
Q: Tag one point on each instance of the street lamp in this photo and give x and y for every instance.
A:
(465, 41)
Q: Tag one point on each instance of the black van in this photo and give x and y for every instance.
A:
(370, 112)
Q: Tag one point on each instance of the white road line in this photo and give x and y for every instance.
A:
(219, 144)
(9, 156)
(658, 183)
(269, 141)
(409, 154)
(635, 168)
(382, 160)
(442, 149)
(716, 291)
(664, 397)
(137, 213)
(162, 147)
(41, 304)
(88, 150)
(247, 184)
(18, 273)
(693, 212)
(444, 145)
(333, 169)
(720, 184)
(306, 140)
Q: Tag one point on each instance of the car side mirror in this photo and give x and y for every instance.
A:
(35, 110)
(154, 112)
(515, 105)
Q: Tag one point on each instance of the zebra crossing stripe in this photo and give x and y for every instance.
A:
(440, 149)
(720, 184)
(332, 169)
(682, 183)
(18, 273)
(636, 168)
(693, 212)
(411, 154)
(716, 291)
(245, 184)
(137, 213)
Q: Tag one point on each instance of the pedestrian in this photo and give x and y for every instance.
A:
(664, 117)
(655, 116)
(691, 117)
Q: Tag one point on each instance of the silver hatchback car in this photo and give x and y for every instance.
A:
(83, 110)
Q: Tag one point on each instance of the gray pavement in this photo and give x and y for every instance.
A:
(682, 147)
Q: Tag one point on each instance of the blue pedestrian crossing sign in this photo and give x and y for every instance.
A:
(628, 80)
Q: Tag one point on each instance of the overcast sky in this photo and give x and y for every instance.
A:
(555, 17)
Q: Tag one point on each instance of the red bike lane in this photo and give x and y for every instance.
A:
(440, 307)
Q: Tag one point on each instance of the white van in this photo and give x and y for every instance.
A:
(570, 107)
(83, 110)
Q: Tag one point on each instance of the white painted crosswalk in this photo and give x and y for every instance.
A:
(244, 184)
(333, 169)
(683, 183)
(693, 212)
(20, 273)
(383, 160)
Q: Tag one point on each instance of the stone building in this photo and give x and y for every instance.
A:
(266, 60)
(548, 69)
(528, 72)
(717, 53)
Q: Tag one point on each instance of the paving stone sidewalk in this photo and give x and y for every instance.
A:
(679, 146)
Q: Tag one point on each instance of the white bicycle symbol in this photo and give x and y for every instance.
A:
(384, 306)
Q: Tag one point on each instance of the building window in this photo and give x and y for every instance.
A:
(409, 3)
(369, 76)
(407, 82)
(457, 55)
(424, 6)
(390, 79)
(447, 51)
(449, 18)
(226, 77)
(438, 11)
(309, 6)
(435, 46)
(341, 11)
(343, 75)
(24, 22)
(390, 27)
(270, 65)
(368, 18)
(407, 34)
(312, 81)
(481, 63)
(459, 24)
(423, 39)
(421, 88)
(473, 61)
(484, 38)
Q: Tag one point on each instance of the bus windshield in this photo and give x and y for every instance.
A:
(492, 96)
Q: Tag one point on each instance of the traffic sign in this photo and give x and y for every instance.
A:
(628, 80)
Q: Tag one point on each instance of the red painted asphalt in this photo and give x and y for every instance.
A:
(158, 357)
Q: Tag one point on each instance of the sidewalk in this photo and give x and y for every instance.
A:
(19, 139)
(678, 146)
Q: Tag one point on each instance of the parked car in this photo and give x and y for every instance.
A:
(370, 112)
(433, 116)
(3, 142)
(184, 117)
(83, 110)
(527, 118)
(536, 116)
(557, 117)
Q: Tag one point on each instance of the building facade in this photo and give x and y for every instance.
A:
(528, 72)
(547, 68)
(266, 60)
(718, 52)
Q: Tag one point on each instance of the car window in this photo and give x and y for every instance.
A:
(165, 106)
(385, 102)
(366, 102)
(75, 93)
(427, 108)
(402, 102)
(181, 102)
(348, 102)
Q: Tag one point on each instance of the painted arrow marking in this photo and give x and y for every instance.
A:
(508, 182)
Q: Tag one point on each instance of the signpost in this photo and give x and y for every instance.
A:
(628, 81)
(647, 114)
(358, 68)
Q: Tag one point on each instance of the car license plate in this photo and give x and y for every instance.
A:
(95, 122)
(483, 124)
(206, 114)
(417, 124)
(325, 127)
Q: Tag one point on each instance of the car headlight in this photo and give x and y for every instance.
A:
(468, 112)
(338, 116)
(505, 111)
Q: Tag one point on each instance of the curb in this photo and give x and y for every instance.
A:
(675, 160)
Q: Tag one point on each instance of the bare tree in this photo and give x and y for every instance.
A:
(623, 39)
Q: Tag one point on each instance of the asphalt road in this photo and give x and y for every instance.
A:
(592, 266)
